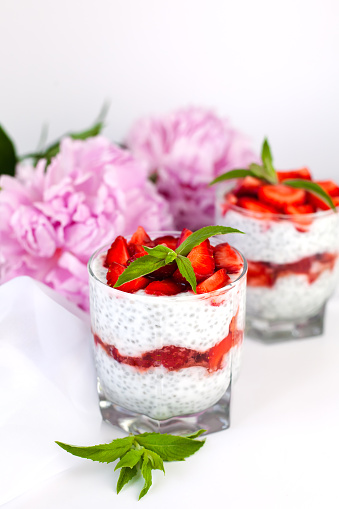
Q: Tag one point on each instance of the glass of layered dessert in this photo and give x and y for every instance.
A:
(291, 246)
(165, 356)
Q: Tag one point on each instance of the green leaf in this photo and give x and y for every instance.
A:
(312, 187)
(130, 459)
(160, 251)
(140, 267)
(54, 148)
(155, 460)
(266, 152)
(126, 474)
(186, 270)
(146, 472)
(105, 453)
(200, 235)
(196, 434)
(8, 158)
(169, 447)
(233, 174)
(267, 159)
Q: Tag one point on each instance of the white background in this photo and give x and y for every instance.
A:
(271, 67)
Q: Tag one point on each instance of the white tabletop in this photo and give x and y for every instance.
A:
(281, 451)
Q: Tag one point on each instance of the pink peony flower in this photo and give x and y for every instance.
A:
(51, 222)
(188, 149)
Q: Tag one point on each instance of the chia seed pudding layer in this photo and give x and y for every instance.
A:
(136, 324)
(278, 242)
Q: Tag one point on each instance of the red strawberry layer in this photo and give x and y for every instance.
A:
(174, 358)
(266, 274)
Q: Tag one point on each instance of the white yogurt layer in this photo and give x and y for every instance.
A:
(138, 323)
(280, 241)
(292, 296)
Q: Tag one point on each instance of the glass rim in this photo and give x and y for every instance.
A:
(179, 296)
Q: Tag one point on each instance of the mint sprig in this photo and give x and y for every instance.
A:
(268, 174)
(160, 256)
(140, 453)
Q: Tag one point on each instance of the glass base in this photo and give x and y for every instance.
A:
(215, 418)
(268, 330)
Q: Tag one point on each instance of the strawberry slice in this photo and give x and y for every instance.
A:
(201, 258)
(249, 186)
(280, 196)
(113, 273)
(255, 206)
(260, 274)
(135, 257)
(140, 237)
(168, 240)
(329, 186)
(302, 173)
(230, 199)
(183, 236)
(214, 282)
(118, 252)
(165, 287)
(302, 218)
(217, 353)
(226, 257)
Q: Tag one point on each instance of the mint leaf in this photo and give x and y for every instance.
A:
(126, 474)
(140, 267)
(196, 434)
(312, 187)
(169, 447)
(199, 236)
(186, 270)
(160, 251)
(267, 159)
(148, 449)
(146, 472)
(105, 453)
(155, 461)
(130, 459)
(266, 154)
(8, 158)
(233, 174)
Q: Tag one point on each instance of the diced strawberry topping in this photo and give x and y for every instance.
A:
(201, 258)
(168, 240)
(303, 173)
(299, 209)
(329, 186)
(226, 257)
(280, 196)
(183, 236)
(135, 257)
(302, 218)
(115, 270)
(255, 206)
(230, 199)
(248, 186)
(214, 282)
(165, 287)
(140, 237)
(118, 252)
